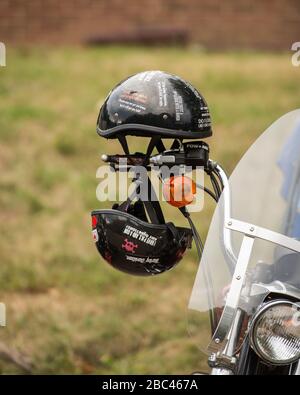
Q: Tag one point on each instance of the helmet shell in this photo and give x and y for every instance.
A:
(136, 247)
(155, 103)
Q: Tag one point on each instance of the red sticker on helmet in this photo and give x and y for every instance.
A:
(94, 221)
(95, 235)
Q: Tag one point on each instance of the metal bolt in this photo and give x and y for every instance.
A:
(212, 358)
(252, 229)
(217, 340)
(116, 114)
(165, 116)
(229, 223)
(238, 277)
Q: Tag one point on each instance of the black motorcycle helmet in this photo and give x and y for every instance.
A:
(154, 103)
(133, 237)
(128, 242)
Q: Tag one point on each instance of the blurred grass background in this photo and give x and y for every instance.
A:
(67, 309)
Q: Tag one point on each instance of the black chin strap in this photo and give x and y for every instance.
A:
(151, 205)
(155, 142)
(123, 142)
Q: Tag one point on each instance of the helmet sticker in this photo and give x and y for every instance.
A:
(140, 235)
(141, 259)
(95, 235)
(134, 107)
(194, 90)
(94, 221)
(162, 94)
(204, 122)
(178, 106)
(134, 96)
(129, 246)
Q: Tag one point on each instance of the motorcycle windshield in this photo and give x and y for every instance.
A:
(265, 196)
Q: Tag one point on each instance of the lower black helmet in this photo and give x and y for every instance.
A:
(154, 103)
(128, 242)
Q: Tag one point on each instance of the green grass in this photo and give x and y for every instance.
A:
(65, 307)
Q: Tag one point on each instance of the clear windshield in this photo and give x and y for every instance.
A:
(265, 192)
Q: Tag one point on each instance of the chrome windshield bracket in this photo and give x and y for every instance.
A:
(221, 361)
(221, 335)
(264, 234)
(219, 342)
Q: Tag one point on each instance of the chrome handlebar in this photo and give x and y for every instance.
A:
(226, 200)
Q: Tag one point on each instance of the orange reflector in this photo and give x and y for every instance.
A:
(179, 191)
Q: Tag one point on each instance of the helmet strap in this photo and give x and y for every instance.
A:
(151, 205)
(176, 144)
(155, 142)
(123, 142)
(174, 232)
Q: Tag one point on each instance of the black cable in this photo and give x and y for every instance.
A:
(220, 179)
(216, 172)
(200, 248)
(215, 185)
(197, 238)
(208, 191)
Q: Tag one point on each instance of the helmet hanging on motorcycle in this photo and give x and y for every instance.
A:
(134, 237)
(130, 243)
(155, 103)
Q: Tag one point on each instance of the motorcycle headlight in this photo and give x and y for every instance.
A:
(275, 332)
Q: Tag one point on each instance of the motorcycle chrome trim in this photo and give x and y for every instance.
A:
(264, 234)
(297, 372)
(220, 337)
(275, 287)
(254, 319)
(226, 194)
(221, 364)
(233, 333)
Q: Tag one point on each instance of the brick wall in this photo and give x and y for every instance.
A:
(262, 24)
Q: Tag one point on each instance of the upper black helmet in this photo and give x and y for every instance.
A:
(154, 103)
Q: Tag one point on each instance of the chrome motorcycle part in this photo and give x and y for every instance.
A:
(275, 332)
